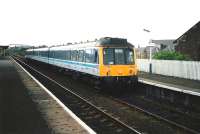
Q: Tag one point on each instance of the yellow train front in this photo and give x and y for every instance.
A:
(117, 61)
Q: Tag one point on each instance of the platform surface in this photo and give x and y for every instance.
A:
(26, 108)
(16, 105)
(185, 85)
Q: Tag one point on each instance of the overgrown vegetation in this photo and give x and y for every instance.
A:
(168, 55)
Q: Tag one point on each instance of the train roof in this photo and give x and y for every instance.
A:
(39, 49)
(104, 42)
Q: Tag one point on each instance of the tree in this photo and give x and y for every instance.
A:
(168, 55)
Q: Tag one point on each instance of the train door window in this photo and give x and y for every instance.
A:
(81, 56)
(119, 56)
(108, 56)
(96, 57)
(84, 56)
(72, 54)
(77, 54)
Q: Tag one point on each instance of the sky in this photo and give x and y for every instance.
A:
(55, 22)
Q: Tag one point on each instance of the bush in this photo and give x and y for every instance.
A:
(168, 55)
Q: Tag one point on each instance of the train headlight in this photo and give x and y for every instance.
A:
(131, 71)
(108, 73)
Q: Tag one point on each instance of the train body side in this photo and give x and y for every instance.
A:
(51, 57)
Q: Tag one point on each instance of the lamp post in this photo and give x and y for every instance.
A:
(150, 57)
(150, 52)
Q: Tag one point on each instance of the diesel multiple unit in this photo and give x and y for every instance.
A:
(107, 59)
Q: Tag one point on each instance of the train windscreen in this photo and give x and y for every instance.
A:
(118, 56)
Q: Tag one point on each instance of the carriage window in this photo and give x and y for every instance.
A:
(88, 53)
(61, 54)
(74, 55)
(91, 56)
(81, 55)
(68, 54)
(51, 54)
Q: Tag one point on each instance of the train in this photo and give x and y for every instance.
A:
(106, 60)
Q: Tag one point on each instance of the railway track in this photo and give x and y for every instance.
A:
(97, 119)
(170, 122)
(139, 109)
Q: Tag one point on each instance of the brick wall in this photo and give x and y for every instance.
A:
(189, 43)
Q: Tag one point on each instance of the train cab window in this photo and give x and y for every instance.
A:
(119, 56)
(108, 56)
(129, 56)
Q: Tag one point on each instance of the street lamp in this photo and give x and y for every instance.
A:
(150, 52)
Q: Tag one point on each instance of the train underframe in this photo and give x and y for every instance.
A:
(118, 81)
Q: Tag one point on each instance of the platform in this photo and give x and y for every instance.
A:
(187, 86)
(26, 107)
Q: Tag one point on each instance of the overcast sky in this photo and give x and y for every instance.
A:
(38, 22)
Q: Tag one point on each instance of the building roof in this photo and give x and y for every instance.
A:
(164, 42)
(188, 31)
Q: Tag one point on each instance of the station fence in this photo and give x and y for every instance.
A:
(182, 69)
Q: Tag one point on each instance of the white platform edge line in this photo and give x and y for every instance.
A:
(87, 128)
(169, 87)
